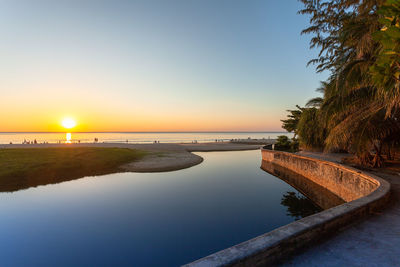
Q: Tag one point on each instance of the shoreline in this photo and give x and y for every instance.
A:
(161, 157)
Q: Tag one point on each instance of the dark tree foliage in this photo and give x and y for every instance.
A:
(310, 129)
(386, 69)
(298, 206)
(359, 44)
(339, 31)
(290, 124)
(282, 143)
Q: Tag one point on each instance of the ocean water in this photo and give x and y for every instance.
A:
(147, 219)
(136, 137)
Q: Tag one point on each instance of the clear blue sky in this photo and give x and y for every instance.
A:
(153, 65)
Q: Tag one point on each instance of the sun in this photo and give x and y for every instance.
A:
(68, 123)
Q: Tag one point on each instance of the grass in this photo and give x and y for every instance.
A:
(22, 168)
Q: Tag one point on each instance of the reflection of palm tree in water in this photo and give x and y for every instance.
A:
(298, 206)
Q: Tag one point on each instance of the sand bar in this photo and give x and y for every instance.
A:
(161, 156)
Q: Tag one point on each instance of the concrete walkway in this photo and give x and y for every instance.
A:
(374, 241)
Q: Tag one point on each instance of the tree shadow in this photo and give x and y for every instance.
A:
(299, 206)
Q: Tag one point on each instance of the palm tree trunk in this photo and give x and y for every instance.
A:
(389, 155)
(377, 161)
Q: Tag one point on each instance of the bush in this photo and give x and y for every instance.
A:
(282, 143)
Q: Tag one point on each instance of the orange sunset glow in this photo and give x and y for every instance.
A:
(38, 119)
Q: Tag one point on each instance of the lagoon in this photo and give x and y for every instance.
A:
(146, 219)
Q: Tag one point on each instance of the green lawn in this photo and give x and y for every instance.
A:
(22, 168)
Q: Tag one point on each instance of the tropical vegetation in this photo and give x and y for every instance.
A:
(359, 110)
(284, 144)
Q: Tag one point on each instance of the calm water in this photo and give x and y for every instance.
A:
(17, 138)
(154, 219)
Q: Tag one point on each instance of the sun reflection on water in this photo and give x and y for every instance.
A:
(68, 138)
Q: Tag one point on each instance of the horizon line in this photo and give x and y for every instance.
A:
(147, 132)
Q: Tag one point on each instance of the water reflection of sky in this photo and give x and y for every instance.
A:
(143, 219)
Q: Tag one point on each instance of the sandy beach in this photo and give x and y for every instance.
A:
(161, 157)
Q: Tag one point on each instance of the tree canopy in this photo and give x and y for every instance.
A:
(359, 110)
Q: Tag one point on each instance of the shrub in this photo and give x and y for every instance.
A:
(282, 143)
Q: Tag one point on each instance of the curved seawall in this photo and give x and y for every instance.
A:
(347, 183)
(321, 196)
(360, 192)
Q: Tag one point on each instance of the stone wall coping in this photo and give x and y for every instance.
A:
(283, 241)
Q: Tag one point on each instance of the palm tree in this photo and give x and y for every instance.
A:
(359, 107)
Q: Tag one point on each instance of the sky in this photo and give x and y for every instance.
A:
(147, 65)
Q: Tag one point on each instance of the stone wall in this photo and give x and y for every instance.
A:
(347, 183)
(317, 193)
(363, 193)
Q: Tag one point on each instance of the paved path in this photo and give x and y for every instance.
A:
(372, 242)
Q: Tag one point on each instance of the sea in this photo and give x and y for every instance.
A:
(132, 137)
